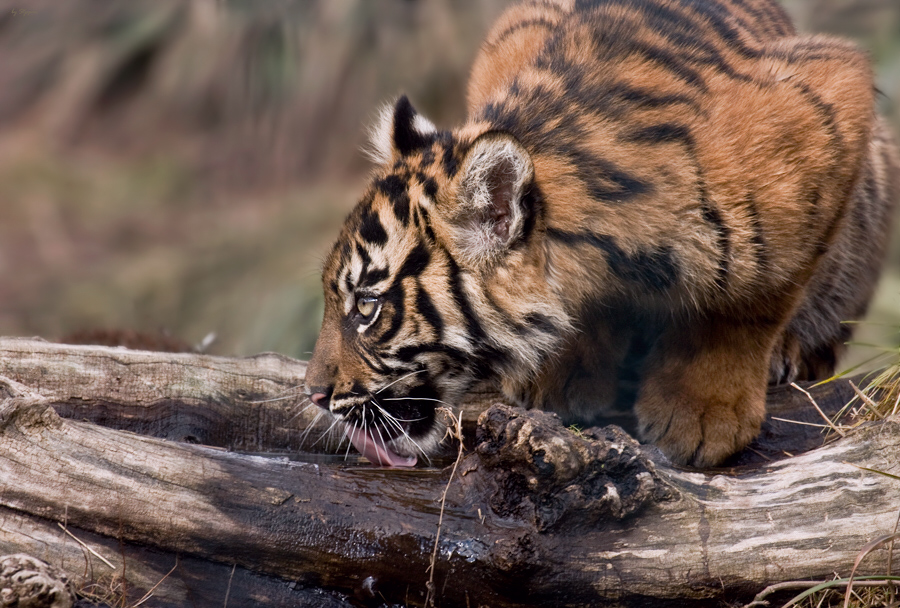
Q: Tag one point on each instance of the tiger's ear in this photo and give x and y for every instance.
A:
(399, 131)
(492, 208)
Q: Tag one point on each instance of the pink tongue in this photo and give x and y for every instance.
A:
(377, 453)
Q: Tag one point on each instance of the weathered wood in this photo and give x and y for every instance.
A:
(535, 515)
(249, 404)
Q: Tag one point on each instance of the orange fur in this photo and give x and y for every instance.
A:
(686, 192)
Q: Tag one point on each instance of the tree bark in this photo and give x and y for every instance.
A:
(534, 514)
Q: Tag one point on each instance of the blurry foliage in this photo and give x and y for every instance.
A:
(184, 165)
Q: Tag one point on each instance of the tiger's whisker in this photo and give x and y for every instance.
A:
(349, 443)
(399, 379)
(416, 399)
(282, 398)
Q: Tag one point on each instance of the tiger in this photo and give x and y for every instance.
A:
(671, 203)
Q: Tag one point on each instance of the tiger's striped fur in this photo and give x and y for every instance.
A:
(685, 191)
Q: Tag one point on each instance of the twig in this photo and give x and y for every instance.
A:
(77, 540)
(149, 594)
(867, 581)
(873, 407)
(457, 420)
(821, 426)
(228, 590)
(818, 409)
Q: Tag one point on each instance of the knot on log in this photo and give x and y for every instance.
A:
(23, 407)
(27, 582)
(548, 475)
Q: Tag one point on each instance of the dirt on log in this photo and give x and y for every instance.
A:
(102, 445)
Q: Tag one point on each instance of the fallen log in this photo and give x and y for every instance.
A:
(533, 514)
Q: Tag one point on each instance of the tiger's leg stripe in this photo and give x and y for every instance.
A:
(675, 133)
(759, 237)
(655, 270)
(826, 113)
(605, 181)
(712, 216)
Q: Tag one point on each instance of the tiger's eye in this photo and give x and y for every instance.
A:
(365, 305)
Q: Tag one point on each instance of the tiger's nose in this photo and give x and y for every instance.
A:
(320, 399)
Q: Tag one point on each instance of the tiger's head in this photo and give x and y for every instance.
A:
(436, 281)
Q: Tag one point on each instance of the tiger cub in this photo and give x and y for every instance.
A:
(681, 192)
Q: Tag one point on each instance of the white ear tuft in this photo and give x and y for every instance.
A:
(380, 149)
(492, 213)
(399, 130)
(423, 126)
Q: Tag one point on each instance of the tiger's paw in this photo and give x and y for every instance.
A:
(700, 437)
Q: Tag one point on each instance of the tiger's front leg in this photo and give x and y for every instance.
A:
(703, 395)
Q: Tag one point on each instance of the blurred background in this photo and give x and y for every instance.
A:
(180, 168)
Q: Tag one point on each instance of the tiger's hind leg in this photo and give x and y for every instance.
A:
(846, 277)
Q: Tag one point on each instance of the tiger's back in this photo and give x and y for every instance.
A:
(669, 188)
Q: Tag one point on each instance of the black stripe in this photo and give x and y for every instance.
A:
(612, 99)
(371, 276)
(654, 270)
(541, 322)
(414, 264)
(371, 229)
(473, 325)
(773, 17)
(712, 216)
(426, 224)
(661, 133)
(717, 17)
(759, 237)
(429, 312)
(673, 63)
(408, 353)
(406, 138)
(430, 187)
(374, 365)
(394, 297)
(604, 180)
(515, 27)
(649, 99)
(395, 188)
(449, 160)
(364, 257)
(825, 110)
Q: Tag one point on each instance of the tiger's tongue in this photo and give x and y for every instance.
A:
(375, 453)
